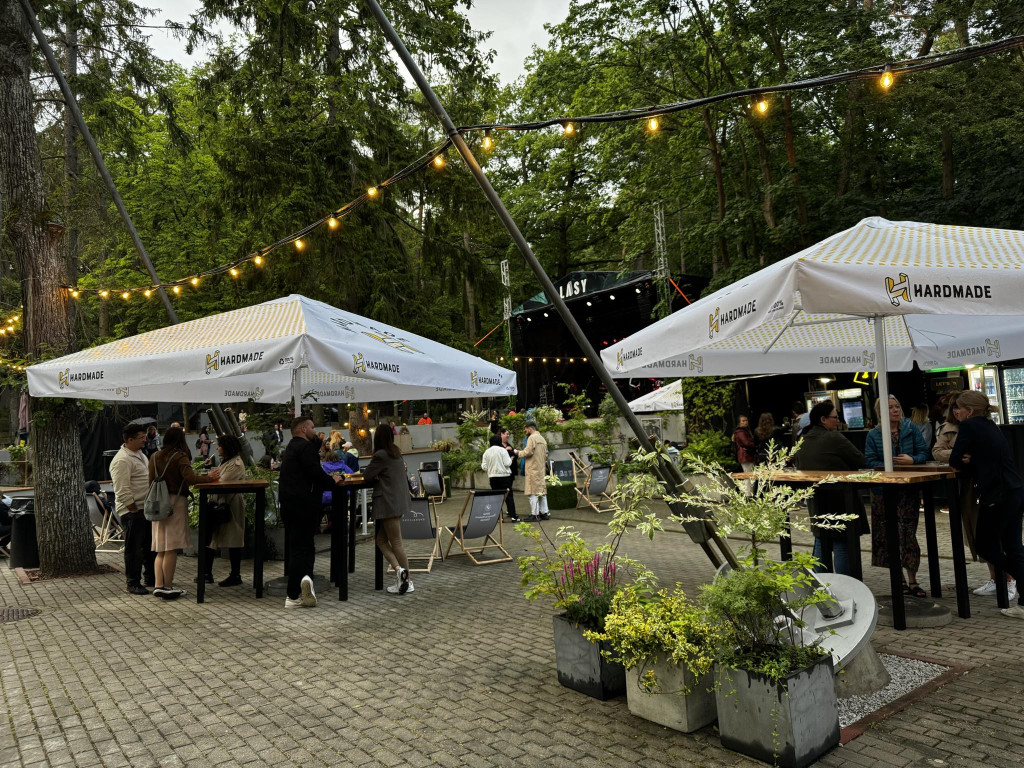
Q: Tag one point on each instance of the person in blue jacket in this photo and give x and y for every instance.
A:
(908, 447)
(983, 454)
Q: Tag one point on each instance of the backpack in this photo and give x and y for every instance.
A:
(158, 499)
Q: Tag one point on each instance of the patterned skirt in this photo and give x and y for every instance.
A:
(908, 511)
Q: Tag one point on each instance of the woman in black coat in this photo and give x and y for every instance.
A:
(982, 451)
(386, 471)
(824, 448)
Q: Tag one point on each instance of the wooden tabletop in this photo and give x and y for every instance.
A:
(353, 480)
(238, 487)
(857, 476)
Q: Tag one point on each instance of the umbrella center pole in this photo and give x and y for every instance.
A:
(883, 391)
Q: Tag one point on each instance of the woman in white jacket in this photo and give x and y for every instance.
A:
(498, 465)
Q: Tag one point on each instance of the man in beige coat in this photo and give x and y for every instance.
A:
(536, 455)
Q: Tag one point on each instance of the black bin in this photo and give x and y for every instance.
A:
(24, 547)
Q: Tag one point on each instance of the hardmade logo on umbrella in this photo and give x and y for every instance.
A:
(865, 358)
(384, 337)
(990, 350)
(255, 393)
(217, 361)
(716, 321)
(346, 393)
(475, 380)
(362, 364)
(123, 391)
(65, 378)
(902, 289)
(697, 363)
(624, 356)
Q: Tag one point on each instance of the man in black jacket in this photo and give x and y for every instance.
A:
(301, 484)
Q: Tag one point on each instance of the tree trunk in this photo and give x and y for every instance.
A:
(71, 164)
(62, 521)
(947, 163)
(359, 431)
(716, 164)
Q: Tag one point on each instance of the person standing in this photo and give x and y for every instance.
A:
(425, 419)
(203, 443)
(535, 472)
(498, 465)
(908, 448)
(506, 443)
(495, 424)
(386, 471)
(129, 471)
(301, 482)
(230, 533)
(746, 448)
(825, 448)
(174, 463)
(765, 433)
(152, 442)
(982, 451)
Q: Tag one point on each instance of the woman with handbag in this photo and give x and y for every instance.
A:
(386, 472)
(173, 463)
(230, 507)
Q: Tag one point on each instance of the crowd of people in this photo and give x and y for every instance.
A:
(992, 495)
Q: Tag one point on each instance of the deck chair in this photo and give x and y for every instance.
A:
(563, 470)
(478, 518)
(420, 522)
(580, 469)
(594, 493)
(431, 482)
(106, 527)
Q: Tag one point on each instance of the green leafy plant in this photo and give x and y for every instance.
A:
(710, 447)
(642, 628)
(581, 580)
(19, 460)
(763, 602)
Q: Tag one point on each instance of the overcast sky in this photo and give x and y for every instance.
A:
(517, 25)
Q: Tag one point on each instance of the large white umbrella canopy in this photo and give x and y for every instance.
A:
(271, 352)
(878, 296)
(667, 398)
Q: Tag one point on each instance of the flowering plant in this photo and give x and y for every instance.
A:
(581, 580)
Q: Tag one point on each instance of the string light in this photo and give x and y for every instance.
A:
(126, 295)
(886, 79)
(258, 261)
(332, 223)
(195, 282)
(147, 293)
(761, 104)
(569, 128)
(488, 142)
(653, 124)
(372, 192)
(300, 245)
(177, 289)
(439, 162)
(104, 294)
(74, 294)
(234, 271)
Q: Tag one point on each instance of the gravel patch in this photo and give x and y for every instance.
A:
(906, 674)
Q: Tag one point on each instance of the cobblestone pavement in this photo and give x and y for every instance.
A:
(459, 673)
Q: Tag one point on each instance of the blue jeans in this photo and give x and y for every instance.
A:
(840, 556)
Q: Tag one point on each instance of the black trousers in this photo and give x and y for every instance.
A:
(298, 531)
(997, 537)
(138, 548)
(505, 483)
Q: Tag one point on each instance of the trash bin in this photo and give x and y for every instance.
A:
(108, 456)
(24, 548)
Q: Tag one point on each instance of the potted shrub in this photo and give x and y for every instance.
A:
(775, 688)
(667, 646)
(581, 581)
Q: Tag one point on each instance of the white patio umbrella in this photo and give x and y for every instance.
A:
(878, 296)
(667, 398)
(289, 349)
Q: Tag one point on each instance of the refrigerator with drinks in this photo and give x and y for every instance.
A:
(1013, 391)
(985, 379)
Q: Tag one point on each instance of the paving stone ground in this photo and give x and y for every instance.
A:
(461, 673)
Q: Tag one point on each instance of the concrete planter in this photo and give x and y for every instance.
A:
(668, 706)
(581, 666)
(790, 724)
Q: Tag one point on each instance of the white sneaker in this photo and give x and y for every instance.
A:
(988, 588)
(1011, 590)
(289, 603)
(1014, 611)
(395, 589)
(308, 597)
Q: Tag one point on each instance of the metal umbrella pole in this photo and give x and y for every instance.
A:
(704, 533)
(101, 166)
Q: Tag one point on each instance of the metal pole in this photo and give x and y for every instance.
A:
(883, 391)
(668, 472)
(101, 166)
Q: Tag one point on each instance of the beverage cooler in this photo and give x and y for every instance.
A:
(985, 379)
(1013, 391)
(853, 408)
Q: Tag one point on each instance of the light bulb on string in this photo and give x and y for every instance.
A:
(439, 162)
(195, 282)
(569, 128)
(147, 293)
(17, 318)
(258, 261)
(760, 104)
(300, 245)
(126, 295)
(372, 192)
(332, 223)
(177, 289)
(74, 294)
(653, 124)
(104, 294)
(488, 142)
(234, 271)
(886, 79)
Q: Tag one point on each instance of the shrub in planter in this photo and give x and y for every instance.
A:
(581, 581)
(667, 647)
(776, 691)
(561, 495)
